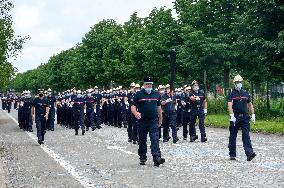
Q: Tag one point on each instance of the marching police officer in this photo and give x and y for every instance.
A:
(90, 108)
(132, 121)
(199, 109)
(40, 114)
(27, 112)
(239, 102)
(78, 104)
(146, 105)
(51, 102)
(168, 102)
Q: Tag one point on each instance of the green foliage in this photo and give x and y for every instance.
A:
(264, 126)
(222, 37)
(10, 44)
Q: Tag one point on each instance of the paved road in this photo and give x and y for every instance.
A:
(104, 158)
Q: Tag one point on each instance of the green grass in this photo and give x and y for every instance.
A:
(264, 126)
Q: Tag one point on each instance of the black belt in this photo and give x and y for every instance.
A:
(240, 115)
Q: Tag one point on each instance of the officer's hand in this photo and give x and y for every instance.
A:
(205, 112)
(85, 111)
(160, 122)
(197, 98)
(232, 118)
(253, 118)
(46, 116)
(138, 115)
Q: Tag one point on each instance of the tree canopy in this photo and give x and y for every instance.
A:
(219, 36)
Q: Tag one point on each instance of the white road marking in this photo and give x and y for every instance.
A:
(122, 150)
(84, 181)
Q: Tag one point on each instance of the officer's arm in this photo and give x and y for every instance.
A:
(230, 107)
(205, 104)
(250, 107)
(134, 110)
(160, 114)
(163, 102)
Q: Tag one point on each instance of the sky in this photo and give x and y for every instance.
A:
(56, 25)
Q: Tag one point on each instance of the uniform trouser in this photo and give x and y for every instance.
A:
(51, 118)
(117, 116)
(179, 117)
(40, 126)
(200, 114)
(186, 124)
(15, 104)
(9, 104)
(151, 127)
(27, 120)
(104, 114)
(90, 118)
(132, 128)
(111, 115)
(124, 115)
(59, 115)
(243, 123)
(21, 117)
(97, 116)
(169, 119)
(79, 119)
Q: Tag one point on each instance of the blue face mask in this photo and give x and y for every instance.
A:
(148, 90)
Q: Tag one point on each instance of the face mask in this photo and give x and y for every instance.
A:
(89, 94)
(137, 90)
(40, 95)
(239, 86)
(148, 90)
(168, 91)
(162, 91)
(79, 95)
(195, 88)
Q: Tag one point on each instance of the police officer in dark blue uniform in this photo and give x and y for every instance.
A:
(40, 115)
(199, 109)
(27, 112)
(132, 121)
(187, 107)
(98, 100)
(168, 102)
(146, 106)
(238, 104)
(78, 104)
(51, 101)
(90, 106)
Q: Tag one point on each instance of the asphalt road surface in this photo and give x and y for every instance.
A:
(104, 158)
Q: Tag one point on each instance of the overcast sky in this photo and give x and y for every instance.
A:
(55, 25)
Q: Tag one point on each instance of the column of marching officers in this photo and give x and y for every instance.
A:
(90, 109)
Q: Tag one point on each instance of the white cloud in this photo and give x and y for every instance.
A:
(55, 25)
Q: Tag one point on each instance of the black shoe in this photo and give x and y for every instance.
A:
(193, 138)
(184, 138)
(169, 138)
(31, 130)
(76, 132)
(251, 156)
(40, 142)
(87, 129)
(52, 129)
(175, 140)
(125, 126)
(134, 142)
(232, 158)
(93, 128)
(99, 127)
(203, 139)
(164, 140)
(159, 161)
(83, 131)
(143, 162)
(129, 140)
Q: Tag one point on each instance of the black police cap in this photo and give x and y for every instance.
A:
(40, 90)
(148, 79)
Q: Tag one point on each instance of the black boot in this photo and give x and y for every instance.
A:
(251, 156)
(203, 139)
(143, 162)
(83, 131)
(76, 132)
(159, 161)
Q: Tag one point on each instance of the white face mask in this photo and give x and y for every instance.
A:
(239, 86)
(195, 88)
